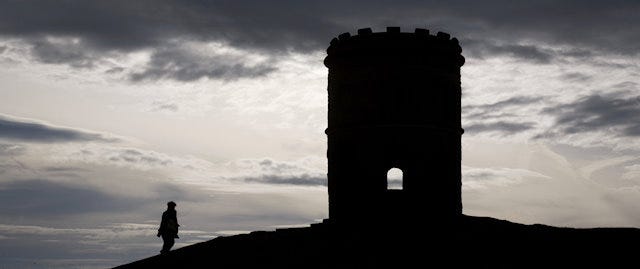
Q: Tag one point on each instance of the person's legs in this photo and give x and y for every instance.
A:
(168, 243)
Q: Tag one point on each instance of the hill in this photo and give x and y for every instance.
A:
(468, 241)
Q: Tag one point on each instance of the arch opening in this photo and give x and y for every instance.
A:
(395, 178)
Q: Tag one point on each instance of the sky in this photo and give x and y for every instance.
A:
(109, 109)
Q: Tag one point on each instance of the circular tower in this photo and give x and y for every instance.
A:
(394, 102)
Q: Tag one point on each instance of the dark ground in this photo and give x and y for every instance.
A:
(467, 242)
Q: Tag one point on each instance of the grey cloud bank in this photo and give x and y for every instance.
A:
(615, 112)
(36, 132)
(184, 65)
(79, 33)
(48, 199)
(502, 127)
(303, 179)
(512, 101)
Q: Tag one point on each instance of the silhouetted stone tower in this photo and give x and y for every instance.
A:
(394, 102)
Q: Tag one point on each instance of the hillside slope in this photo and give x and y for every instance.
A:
(470, 241)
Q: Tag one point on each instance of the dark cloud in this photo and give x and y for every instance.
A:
(56, 169)
(484, 49)
(567, 23)
(501, 127)
(36, 132)
(136, 157)
(64, 172)
(577, 53)
(118, 25)
(526, 52)
(185, 65)
(46, 198)
(159, 106)
(103, 27)
(576, 77)
(479, 175)
(170, 107)
(270, 166)
(609, 112)
(11, 150)
(488, 115)
(513, 101)
(496, 110)
(114, 70)
(626, 85)
(69, 52)
(303, 179)
(269, 171)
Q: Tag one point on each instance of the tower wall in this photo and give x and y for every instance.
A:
(394, 101)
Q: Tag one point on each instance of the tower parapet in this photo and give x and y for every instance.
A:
(419, 47)
(394, 102)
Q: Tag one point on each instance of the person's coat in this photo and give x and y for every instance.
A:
(169, 224)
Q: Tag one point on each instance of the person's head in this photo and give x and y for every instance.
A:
(171, 205)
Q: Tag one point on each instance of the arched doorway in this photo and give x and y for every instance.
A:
(394, 179)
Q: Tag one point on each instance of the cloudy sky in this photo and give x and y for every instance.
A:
(108, 109)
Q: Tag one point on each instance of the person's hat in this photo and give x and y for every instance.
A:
(171, 204)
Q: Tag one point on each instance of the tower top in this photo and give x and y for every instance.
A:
(393, 45)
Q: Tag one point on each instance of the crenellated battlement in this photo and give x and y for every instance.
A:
(382, 48)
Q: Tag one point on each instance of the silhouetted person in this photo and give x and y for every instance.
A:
(168, 227)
